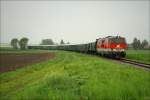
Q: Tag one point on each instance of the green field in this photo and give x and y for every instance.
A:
(75, 76)
(139, 55)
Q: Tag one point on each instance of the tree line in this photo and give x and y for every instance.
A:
(137, 44)
(22, 43)
(51, 42)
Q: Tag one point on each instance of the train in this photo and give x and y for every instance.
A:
(110, 46)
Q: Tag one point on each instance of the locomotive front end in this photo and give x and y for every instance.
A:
(118, 46)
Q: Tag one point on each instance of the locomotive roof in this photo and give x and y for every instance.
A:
(111, 37)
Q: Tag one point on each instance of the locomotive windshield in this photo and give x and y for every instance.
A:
(118, 40)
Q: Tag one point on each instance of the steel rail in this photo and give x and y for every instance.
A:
(141, 64)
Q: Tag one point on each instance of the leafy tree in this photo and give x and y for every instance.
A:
(135, 40)
(62, 42)
(23, 43)
(144, 44)
(14, 43)
(138, 44)
(47, 42)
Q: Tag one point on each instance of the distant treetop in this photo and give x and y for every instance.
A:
(47, 42)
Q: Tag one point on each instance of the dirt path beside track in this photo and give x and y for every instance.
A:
(12, 61)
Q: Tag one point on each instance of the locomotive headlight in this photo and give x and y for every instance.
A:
(114, 50)
(117, 49)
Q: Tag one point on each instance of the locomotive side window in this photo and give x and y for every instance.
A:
(103, 41)
(99, 42)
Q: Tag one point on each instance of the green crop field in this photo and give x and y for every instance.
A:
(139, 55)
(75, 76)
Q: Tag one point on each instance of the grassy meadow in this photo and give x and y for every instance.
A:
(139, 55)
(75, 76)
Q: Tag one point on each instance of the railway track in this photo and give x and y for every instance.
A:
(135, 63)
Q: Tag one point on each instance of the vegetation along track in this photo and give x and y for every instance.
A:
(145, 65)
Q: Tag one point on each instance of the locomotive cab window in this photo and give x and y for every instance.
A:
(118, 40)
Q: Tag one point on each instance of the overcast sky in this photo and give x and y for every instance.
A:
(73, 21)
